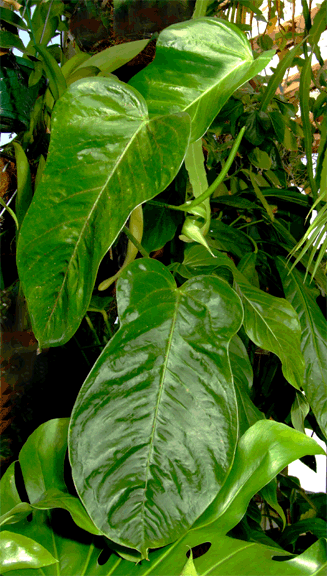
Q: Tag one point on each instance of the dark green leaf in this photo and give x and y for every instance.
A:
(57, 82)
(247, 265)
(228, 239)
(134, 448)
(273, 324)
(88, 189)
(248, 413)
(10, 40)
(197, 67)
(12, 18)
(316, 526)
(313, 339)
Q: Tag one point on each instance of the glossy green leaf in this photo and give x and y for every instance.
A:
(116, 56)
(85, 72)
(160, 395)
(100, 130)
(197, 67)
(41, 471)
(273, 324)
(79, 552)
(248, 413)
(18, 552)
(24, 183)
(269, 446)
(9, 496)
(160, 225)
(313, 339)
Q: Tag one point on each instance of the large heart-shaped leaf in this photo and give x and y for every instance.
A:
(105, 158)
(154, 428)
(313, 338)
(197, 67)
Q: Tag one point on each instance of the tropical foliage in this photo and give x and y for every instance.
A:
(178, 437)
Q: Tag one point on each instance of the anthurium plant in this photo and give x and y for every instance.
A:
(179, 423)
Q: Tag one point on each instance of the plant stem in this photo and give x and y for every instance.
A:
(132, 238)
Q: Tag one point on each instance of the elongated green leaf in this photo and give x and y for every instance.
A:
(160, 395)
(317, 526)
(189, 568)
(57, 82)
(313, 339)
(116, 56)
(304, 94)
(278, 76)
(24, 183)
(228, 239)
(41, 471)
(105, 158)
(73, 63)
(269, 493)
(273, 324)
(12, 18)
(197, 67)
(18, 552)
(300, 409)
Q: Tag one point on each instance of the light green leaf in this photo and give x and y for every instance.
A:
(197, 67)
(9, 496)
(273, 324)
(24, 183)
(269, 446)
(189, 568)
(41, 470)
(86, 72)
(73, 63)
(160, 395)
(18, 552)
(114, 57)
(313, 339)
(277, 77)
(103, 161)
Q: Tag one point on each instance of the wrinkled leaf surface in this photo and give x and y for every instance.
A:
(105, 158)
(154, 428)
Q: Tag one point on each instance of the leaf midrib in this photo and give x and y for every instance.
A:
(143, 123)
(155, 417)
